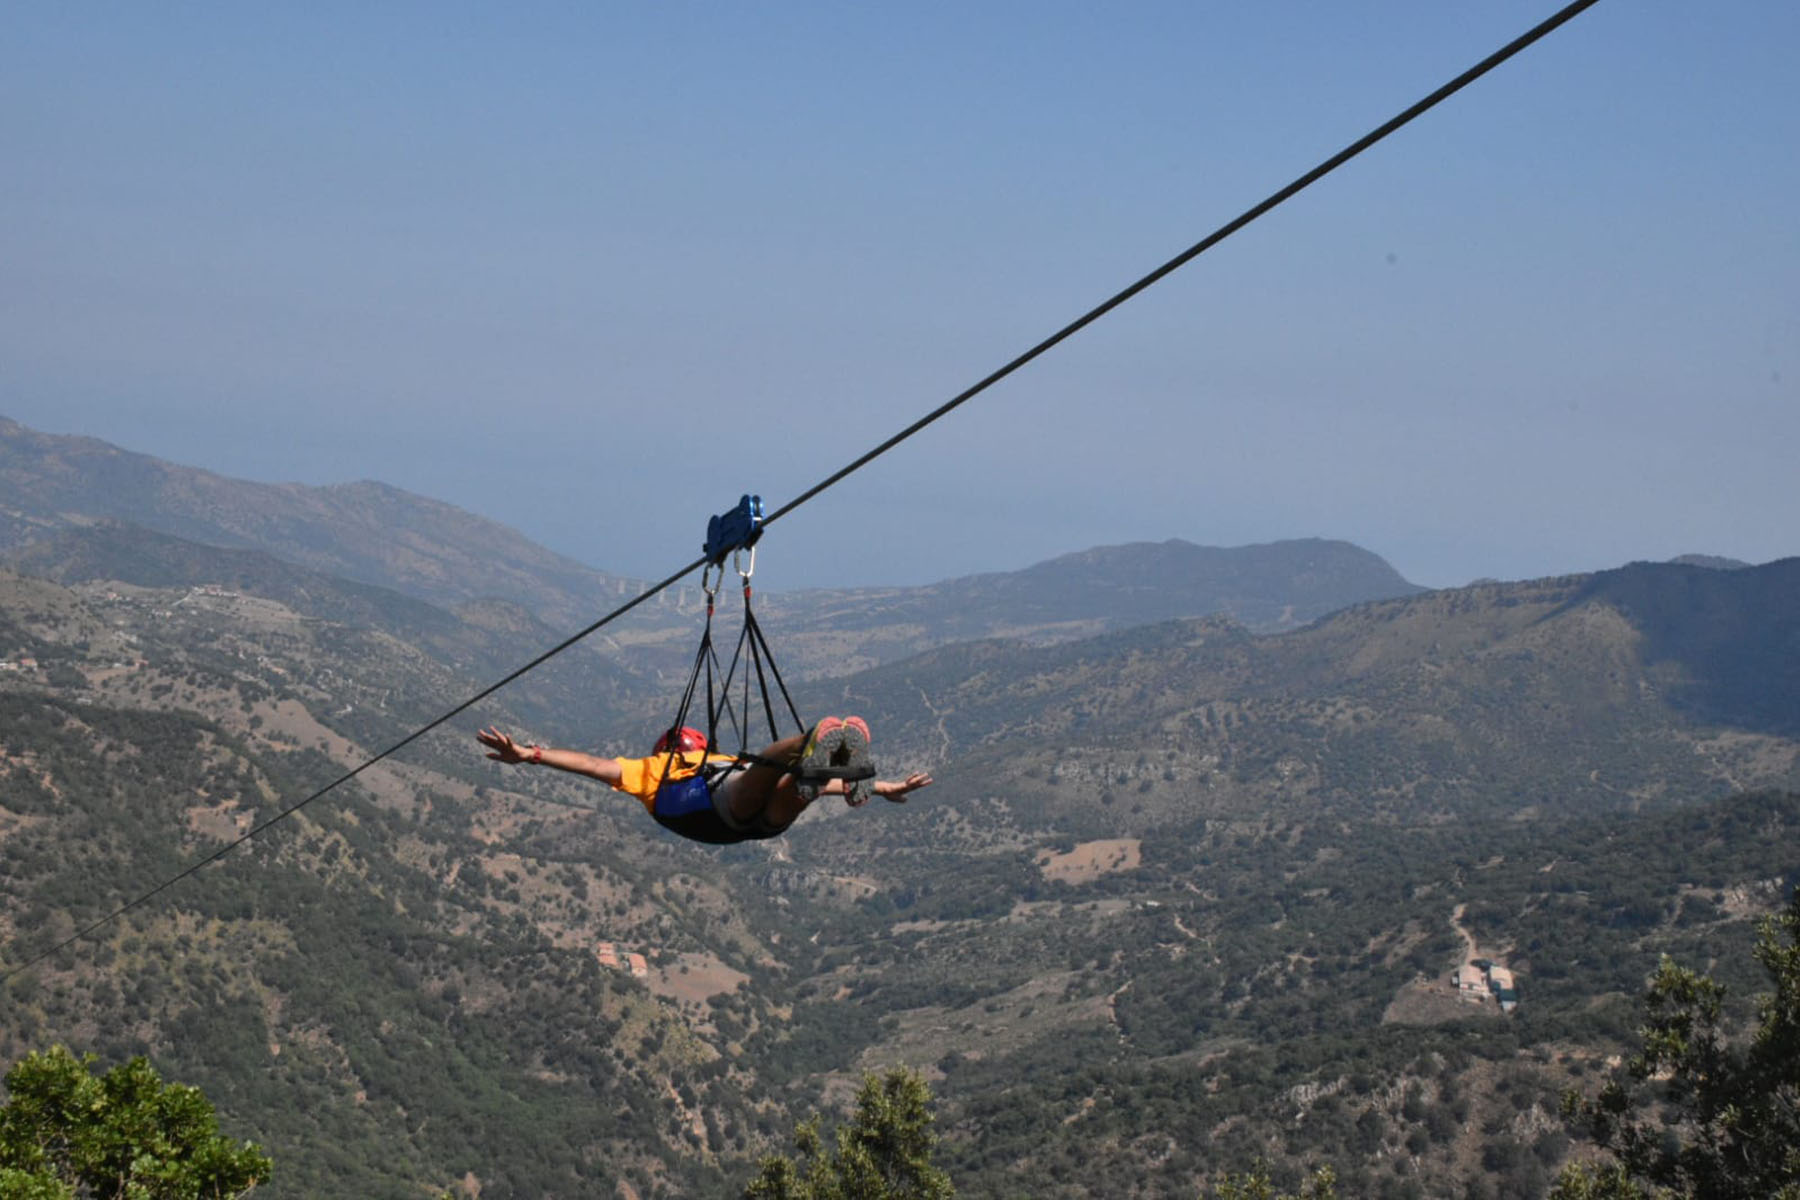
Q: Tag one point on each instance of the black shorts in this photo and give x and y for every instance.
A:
(697, 808)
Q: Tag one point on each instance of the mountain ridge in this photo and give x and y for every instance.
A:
(365, 531)
(376, 534)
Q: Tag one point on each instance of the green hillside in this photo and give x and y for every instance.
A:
(1183, 897)
(1521, 699)
(1156, 1011)
(393, 989)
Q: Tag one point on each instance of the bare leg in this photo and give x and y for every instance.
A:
(773, 796)
(785, 804)
(782, 804)
(759, 787)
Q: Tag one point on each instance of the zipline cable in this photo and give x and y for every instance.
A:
(1522, 42)
(1548, 26)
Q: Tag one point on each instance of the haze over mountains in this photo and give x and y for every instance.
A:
(53, 487)
(367, 532)
(1211, 829)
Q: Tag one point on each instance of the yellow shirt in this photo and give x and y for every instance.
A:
(641, 777)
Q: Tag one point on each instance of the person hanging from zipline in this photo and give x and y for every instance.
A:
(742, 796)
(723, 798)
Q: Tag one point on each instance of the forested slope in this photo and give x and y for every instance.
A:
(1182, 897)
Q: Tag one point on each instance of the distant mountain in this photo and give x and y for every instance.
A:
(1725, 644)
(1709, 560)
(1266, 588)
(366, 531)
(382, 536)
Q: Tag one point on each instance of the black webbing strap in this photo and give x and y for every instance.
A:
(706, 660)
(753, 656)
(761, 656)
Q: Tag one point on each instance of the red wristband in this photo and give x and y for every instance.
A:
(537, 754)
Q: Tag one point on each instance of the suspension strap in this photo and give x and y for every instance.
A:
(706, 659)
(734, 535)
(762, 657)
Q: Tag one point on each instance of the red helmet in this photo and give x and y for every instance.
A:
(685, 739)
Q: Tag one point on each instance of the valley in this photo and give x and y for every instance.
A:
(1186, 896)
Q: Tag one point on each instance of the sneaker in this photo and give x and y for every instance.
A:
(812, 767)
(838, 748)
(815, 752)
(860, 767)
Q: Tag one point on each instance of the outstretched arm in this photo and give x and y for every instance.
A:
(896, 789)
(502, 748)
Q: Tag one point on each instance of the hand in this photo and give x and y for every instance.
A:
(896, 789)
(500, 747)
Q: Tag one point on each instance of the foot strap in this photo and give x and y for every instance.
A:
(822, 774)
(810, 774)
(748, 759)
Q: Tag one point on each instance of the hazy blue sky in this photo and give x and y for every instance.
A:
(595, 269)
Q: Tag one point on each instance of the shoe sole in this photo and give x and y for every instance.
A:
(839, 750)
(815, 755)
(854, 739)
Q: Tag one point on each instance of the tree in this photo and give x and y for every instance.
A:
(65, 1132)
(1695, 1113)
(883, 1154)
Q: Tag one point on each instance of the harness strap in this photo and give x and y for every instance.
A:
(847, 774)
(735, 534)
